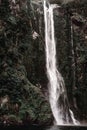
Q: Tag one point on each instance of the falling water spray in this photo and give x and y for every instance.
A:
(57, 92)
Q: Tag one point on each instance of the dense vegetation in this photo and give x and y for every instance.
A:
(22, 60)
(73, 54)
(20, 101)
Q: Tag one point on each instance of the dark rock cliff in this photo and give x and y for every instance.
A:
(72, 58)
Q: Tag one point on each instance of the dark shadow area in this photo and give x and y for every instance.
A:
(34, 127)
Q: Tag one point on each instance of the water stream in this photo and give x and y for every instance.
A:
(57, 92)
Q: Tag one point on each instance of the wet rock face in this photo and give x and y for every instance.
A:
(74, 12)
(79, 23)
(60, 1)
(55, 1)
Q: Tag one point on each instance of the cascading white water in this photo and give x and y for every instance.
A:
(57, 93)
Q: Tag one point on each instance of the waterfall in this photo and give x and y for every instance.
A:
(57, 92)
